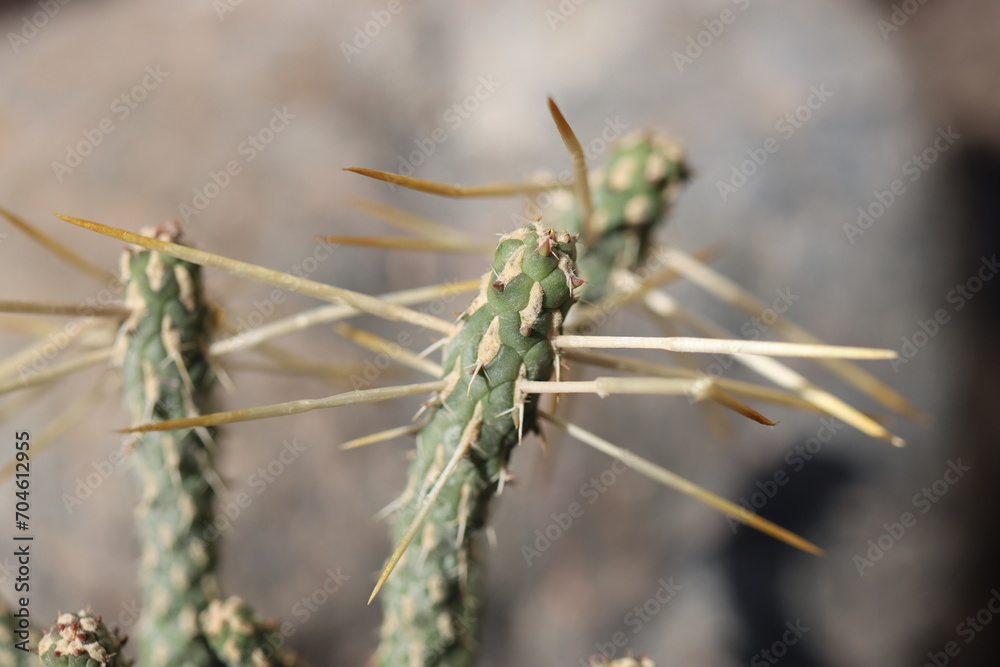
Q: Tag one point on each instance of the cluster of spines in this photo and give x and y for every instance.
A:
(431, 599)
(81, 640)
(241, 638)
(166, 374)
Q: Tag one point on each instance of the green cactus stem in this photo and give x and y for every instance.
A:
(632, 193)
(242, 639)
(431, 600)
(81, 640)
(162, 352)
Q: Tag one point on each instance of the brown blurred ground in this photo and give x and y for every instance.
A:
(221, 78)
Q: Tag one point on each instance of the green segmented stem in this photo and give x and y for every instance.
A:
(432, 598)
(632, 193)
(10, 654)
(81, 640)
(167, 376)
(241, 638)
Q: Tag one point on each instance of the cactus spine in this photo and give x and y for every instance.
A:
(167, 375)
(431, 599)
(81, 640)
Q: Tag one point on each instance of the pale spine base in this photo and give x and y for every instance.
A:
(432, 598)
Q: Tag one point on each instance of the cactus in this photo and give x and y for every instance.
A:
(241, 638)
(432, 599)
(506, 345)
(81, 640)
(633, 192)
(167, 374)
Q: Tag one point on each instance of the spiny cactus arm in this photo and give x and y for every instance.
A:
(698, 387)
(432, 598)
(166, 374)
(240, 638)
(81, 640)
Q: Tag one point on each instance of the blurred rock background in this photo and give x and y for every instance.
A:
(368, 84)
